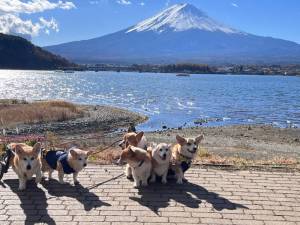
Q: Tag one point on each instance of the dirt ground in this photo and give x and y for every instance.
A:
(242, 145)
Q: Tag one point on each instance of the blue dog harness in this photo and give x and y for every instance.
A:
(52, 157)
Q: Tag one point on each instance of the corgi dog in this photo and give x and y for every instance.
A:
(161, 156)
(65, 162)
(26, 162)
(139, 161)
(136, 140)
(182, 155)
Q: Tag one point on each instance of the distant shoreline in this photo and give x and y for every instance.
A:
(187, 68)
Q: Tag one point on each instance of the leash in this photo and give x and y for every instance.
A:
(107, 147)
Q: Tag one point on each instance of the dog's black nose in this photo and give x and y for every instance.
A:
(195, 148)
(164, 156)
(28, 167)
(84, 165)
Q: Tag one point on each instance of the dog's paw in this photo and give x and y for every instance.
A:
(62, 182)
(129, 177)
(152, 180)
(179, 181)
(145, 184)
(164, 181)
(137, 184)
(22, 188)
(38, 180)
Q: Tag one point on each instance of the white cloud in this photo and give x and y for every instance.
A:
(234, 5)
(50, 24)
(12, 23)
(124, 2)
(34, 6)
(142, 3)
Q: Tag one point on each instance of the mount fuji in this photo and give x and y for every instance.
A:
(180, 33)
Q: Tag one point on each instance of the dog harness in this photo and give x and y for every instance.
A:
(52, 157)
(185, 162)
(140, 164)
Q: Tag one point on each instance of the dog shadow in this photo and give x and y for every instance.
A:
(33, 199)
(88, 199)
(157, 196)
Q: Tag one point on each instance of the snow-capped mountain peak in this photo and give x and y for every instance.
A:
(181, 17)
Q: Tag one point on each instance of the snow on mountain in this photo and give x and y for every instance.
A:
(181, 17)
(180, 33)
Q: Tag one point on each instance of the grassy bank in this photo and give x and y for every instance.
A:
(14, 112)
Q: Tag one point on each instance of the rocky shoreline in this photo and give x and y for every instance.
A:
(252, 142)
(102, 125)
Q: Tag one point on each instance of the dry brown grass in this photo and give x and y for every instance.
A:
(204, 156)
(13, 113)
(107, 156)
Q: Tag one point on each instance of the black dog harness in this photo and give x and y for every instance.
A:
(52, 157)
(185, 162)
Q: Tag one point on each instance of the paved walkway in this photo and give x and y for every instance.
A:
(105, 196)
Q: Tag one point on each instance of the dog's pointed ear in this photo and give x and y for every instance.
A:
(73, 153)
(180, 140)
(18, 149)
(37, 148)
(169, 146)
(139, 136)
(199, 139)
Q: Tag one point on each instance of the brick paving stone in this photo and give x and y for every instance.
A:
(210, 197)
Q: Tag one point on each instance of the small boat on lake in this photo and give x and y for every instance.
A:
(69, 71)
(183, 75)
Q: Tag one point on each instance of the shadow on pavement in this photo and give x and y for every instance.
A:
(157, 196)
(33, 202)
(88, 199)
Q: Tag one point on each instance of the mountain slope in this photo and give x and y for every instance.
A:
(180, 33)
(18, 53)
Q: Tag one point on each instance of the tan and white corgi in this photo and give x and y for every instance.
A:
(182, 155)
(134, 139)
(161, 157)
(65, 162)
(139, 161)
(26, 162)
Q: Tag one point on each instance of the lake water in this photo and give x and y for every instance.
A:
(167, 99)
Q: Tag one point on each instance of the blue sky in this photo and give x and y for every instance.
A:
(84, 19)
